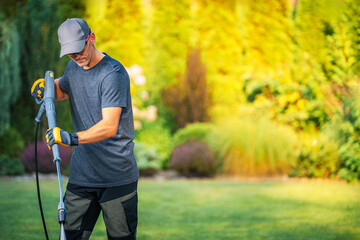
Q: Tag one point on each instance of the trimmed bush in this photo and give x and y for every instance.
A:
(155, 135)
(195, 131)
(11, 143)
(45, 158)
(147, 159)
(193, 158)
(10, 166)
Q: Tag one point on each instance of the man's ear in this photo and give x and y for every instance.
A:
(92, 38)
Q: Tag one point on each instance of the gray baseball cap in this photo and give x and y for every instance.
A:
(72, 35)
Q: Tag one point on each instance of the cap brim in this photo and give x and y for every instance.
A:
(73, 47)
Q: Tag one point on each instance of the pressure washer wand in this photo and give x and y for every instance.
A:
(48, 105)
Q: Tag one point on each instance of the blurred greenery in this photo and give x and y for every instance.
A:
(195, 131)
(10, 82)
(270, 71)
(345, 130)
(11, 143)
(147, 159)
(155, 136)
(11, 166)
(254, 147)
(318, 157)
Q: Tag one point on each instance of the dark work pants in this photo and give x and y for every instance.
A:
(118, 204)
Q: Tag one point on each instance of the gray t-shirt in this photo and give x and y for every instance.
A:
(110, 162)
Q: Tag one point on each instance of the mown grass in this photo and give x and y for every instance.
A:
(204, 209)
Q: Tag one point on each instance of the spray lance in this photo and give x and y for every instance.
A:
(47, 105)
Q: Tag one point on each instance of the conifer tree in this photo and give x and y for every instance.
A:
(343, 46)
(10, 82)
(189, 99)
(37, 23)
(313, 24)
(315, 21)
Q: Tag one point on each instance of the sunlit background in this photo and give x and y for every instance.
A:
(231, 88)
(247, 115)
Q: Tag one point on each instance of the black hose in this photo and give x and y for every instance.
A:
(37, 182)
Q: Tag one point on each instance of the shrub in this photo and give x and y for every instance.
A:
(193, 158)
(155, 135)
(10, 166)
(253, 147)
(344, 128)
(45, 158)
(147, 159)
(11, 143)
(318, 158)
(346, 136)
(350, 165)
(195, 131)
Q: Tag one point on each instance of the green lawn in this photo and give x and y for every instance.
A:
(204, 210)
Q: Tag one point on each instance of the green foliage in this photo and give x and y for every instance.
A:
(154, 136)
(318, 158)
(253, 146)
(10, 82)
(71, 8)
(195, 131)
(10, 166)
(218, 29)
(11, 142)
(350, 157)
(7, 7)
(344, 128)
(169, 36)
(312, 18)
(193, 158)
(269, 38)
(129, 35)
(343, 46)
(292, 104)
(147, 158)
(37, 23)
(166, 30)
(326, 40)
(293, 65)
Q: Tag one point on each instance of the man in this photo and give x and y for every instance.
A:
(103, 170)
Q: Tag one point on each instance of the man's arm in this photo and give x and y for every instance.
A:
(59, 95)
(104, 129)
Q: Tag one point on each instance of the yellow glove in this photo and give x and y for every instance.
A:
(62, 137)
(38, 89)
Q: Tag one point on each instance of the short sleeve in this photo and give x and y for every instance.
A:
(114, 90)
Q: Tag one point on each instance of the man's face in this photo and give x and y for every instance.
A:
(82, 58)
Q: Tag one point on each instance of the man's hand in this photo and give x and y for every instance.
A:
(59, 136)
(38, 89)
